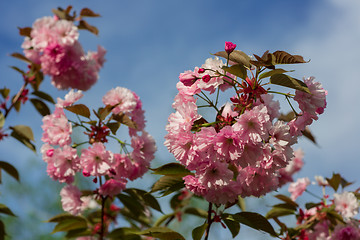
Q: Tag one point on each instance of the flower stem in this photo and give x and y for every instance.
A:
(209, 220)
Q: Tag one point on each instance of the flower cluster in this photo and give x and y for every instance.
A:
(64, 160)
(330, 219)
(245, 150)
(53, 43)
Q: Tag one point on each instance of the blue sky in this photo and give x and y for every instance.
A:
(150, 42)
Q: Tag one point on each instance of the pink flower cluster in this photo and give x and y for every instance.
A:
(245, 150)
(64, 161)
(53, 43)
(345, 204)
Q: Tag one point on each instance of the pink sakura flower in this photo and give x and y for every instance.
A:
(112, 187)
(144, 148)
(183, 118)
(314, 103)
(181, 98)
(96, 160)
(66, 32)
(188, 90)
(42, 34)
(228, 144)
(295, 164)
(297, 188)
(321, 181)
(188, 78)
(122, 99)
(70, 98)
(347, 232)
(253, 124)
(273, 107)
(66, 162)
(70, 199)
(229, 47)
(123, 166)
(98, 57)
(346, 203)
(57, 129)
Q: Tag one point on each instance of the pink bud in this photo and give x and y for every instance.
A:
(201, 70)
(86, 173)
(50, 152)
(229, 47)
(187, 78)
(206, 78)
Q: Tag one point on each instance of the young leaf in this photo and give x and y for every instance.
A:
(287, 81)
(40, 106)
(84, 25)
(5, 210)
(64, 216)
(233, 226)
(236, 56)
(10, 169)
(237, 70)
(2, 120)
(21, 57)
(5, 92)
(171, 169)
(25, 32)
(267, 60)
(23, 140)
(253, 220)
(18, 70)
(79, 109)
(124, 119)
(196, 211)
(335, 181)
(287, 117)
(86, 12)
(199, 231)
(113, 126)
(307, 133)
(162, 233)
(44, 96)
(282, 57)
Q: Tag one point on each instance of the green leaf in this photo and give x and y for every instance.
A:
(171, 169)
(196, 211)
(2, 231)
(24, 131)
(18, 70)
(236, 56)
(70, 224)
(287, 200)
(282, 57)
(132, 204)
(162, 219)
(44, 96)
(168, 184)
(287, 81)
(2, 120)
(237, 70)
(113, 126)
(199, 231)
(65, 216)
(272, 72)
(233, 226)
(25, 32)
(253, 220)
(144, 220)
(10, 169)
(5, 210)
(23, 140)
(311, 205)
(40, 106)
(84, 25)
(86, 12)
(287, 117)
(78, 233)
(162, 233)
(123, 234)
(21, 57)
(279, 212)
(79, 109)
(124, 119)
(144, 197)
(5, 92)
(334, 181)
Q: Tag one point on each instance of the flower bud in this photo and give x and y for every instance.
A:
(229, 47)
